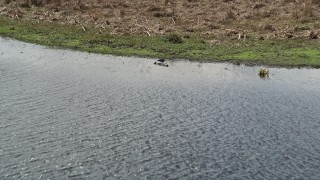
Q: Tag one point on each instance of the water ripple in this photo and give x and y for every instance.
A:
(73, 115)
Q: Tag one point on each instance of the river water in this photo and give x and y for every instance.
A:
(74, 115)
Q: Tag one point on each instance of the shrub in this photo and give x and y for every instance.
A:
(263, 72)
(174, 38)
(36, 2)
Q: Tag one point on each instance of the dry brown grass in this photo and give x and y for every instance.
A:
(308, 8)
(158, 17)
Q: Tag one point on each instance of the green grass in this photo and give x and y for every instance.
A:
(285, 53)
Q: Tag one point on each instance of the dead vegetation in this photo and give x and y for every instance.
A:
(234, 18)
(263, 72)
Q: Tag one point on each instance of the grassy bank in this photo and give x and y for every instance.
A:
(286, 53)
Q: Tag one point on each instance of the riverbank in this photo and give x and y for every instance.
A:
(292, 52)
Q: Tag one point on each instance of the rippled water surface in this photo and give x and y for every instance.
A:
(73, 115)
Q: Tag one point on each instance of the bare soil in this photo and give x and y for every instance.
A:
(261, 19)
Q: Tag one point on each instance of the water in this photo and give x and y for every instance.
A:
(73, 115)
